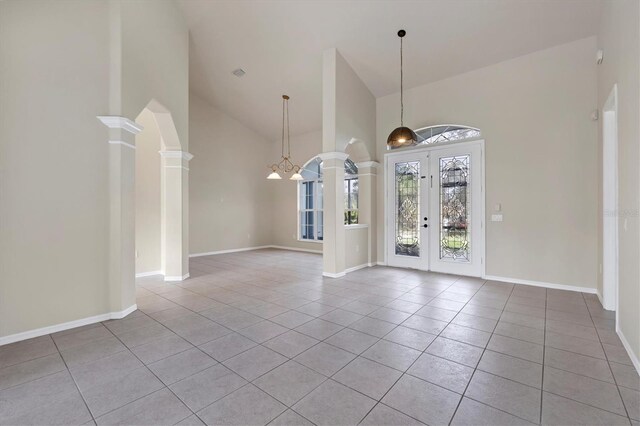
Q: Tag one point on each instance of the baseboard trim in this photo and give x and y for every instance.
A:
(12, 338)
(332, 275)
(541, 284)
(297, 249)
(148, 274)
(176, 278)
(381, 263)
(355, 268)
(211, 253)
(627, 347)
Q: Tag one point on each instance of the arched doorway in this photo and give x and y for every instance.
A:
(161, 184)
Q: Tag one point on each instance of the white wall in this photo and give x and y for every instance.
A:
(155, 60)
(541, 157)
(53, 162)
(285, 192)
(230, 199)
(619, 37)
(356, 240)
(64, 63)
(355, 109)
(148, 195)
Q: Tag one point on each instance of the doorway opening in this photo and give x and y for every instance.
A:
(609, 297)
(161, 211)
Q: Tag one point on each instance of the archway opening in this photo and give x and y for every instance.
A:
(161, 186)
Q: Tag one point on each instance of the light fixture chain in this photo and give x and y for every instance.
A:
(288, 132)
(282, 144)
(401, 87)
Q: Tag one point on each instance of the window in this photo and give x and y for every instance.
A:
(310, 204)
(350, 193)
(446, 133)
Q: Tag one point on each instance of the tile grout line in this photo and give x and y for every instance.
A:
(154, 374)
(615, 381)
(544, 355)
(480, 359)
(421, 353)
(74, 379)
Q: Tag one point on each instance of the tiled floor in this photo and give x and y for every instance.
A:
(260, 338)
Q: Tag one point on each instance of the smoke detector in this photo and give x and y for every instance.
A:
(239, 72)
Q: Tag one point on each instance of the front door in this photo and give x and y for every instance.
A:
(434, 209)
(407, 207)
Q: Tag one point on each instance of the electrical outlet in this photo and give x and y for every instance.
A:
(496, 218)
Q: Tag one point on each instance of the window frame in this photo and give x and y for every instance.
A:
(349, 180)
(318, 183)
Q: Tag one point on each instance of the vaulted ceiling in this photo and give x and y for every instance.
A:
(280, 43)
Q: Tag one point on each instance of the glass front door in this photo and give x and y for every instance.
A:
(434, 209)
(408, 201)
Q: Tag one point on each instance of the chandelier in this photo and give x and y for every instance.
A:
(285, 165)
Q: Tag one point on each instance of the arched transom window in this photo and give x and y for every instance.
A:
(446, 133)
(310, 205)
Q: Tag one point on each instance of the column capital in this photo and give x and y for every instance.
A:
(371, 164)
(335, 155)
(184, 155)
(118, 122)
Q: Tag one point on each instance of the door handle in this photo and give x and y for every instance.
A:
(425, 225)
(425, 218)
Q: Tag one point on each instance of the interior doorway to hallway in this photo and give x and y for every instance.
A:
(610, 201)
(434, 208)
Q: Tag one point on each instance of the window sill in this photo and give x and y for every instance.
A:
(309, 241)
(356, 226)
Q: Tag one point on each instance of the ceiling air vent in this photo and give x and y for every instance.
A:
(238, 72)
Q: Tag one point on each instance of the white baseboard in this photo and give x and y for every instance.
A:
(541, 284)
(355, 268)
(296, 249)
(381, 263)
(65, 326)
(176, 278)
(148, 274)
(627, 346)
(332, 275)
(211, 253)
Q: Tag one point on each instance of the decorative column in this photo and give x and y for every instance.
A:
(367, 175)
(174, 214)
(333, 245)
(122, 161)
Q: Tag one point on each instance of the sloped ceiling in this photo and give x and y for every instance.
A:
(280, 43)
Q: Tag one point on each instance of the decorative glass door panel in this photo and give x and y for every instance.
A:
(407, 194)
(455, 224)
(456, 208)
(407, 201)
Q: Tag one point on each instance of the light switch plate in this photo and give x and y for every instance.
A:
(496, 218)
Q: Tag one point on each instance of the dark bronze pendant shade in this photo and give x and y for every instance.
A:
(401, 136)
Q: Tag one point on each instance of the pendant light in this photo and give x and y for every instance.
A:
(401, 136)
(285, 165)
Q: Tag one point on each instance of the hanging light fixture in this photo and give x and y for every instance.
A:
(285, 165)
(401, 136)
